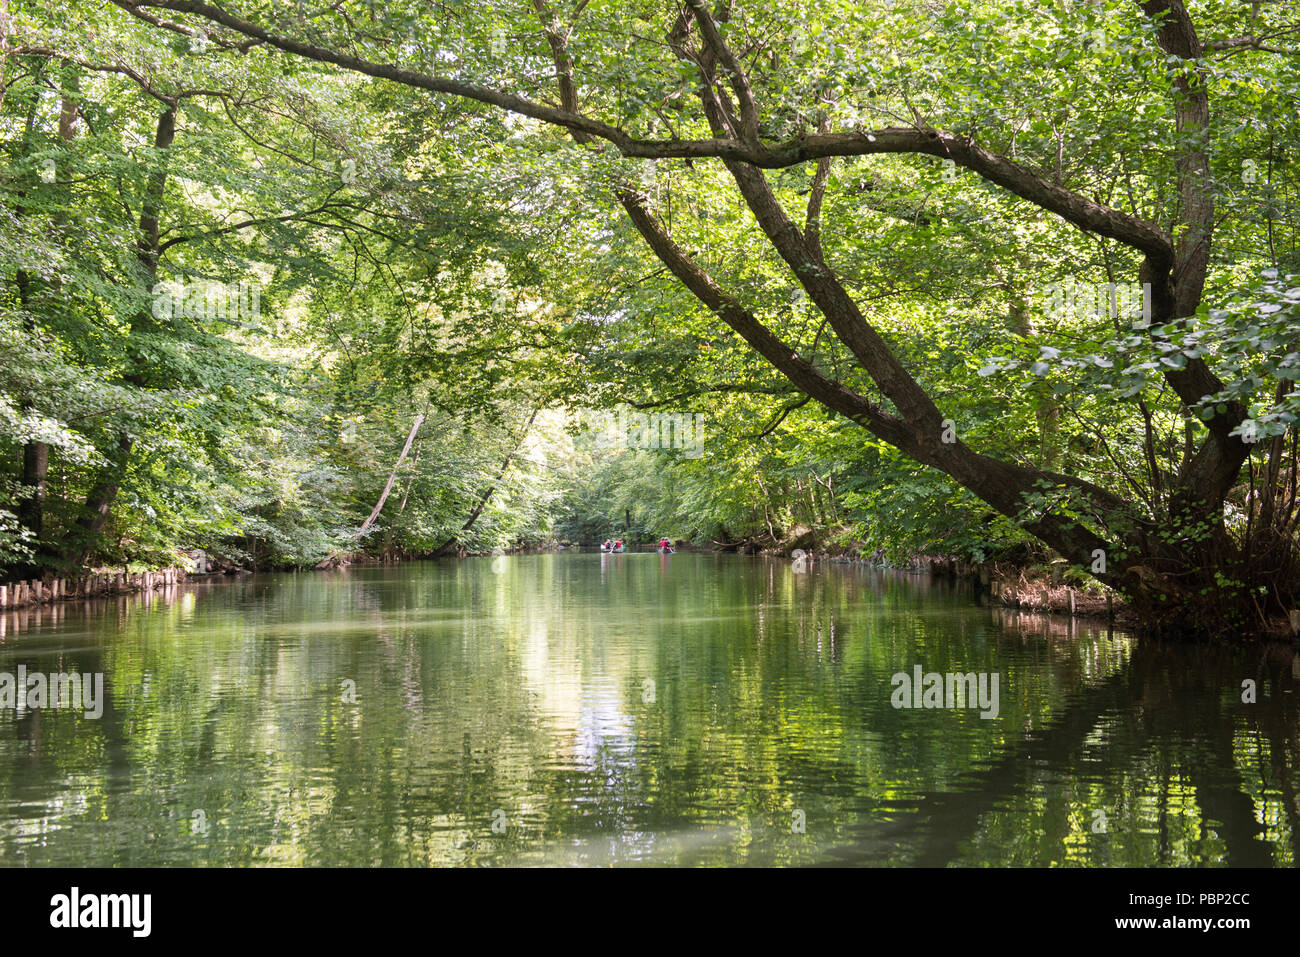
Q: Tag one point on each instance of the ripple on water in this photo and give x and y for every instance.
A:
(708, 711)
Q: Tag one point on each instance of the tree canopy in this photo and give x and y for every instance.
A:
(971, 278)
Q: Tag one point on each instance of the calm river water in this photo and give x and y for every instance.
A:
(578, 709)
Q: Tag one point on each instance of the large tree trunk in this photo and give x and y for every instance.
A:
(103, 493)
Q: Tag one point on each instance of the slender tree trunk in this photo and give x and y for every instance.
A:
(392, 476)
(99, 500)
(450, 543)
(1047, 413)
(36, 454)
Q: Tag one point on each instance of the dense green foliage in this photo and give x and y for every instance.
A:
(863, 240)
(263, 426)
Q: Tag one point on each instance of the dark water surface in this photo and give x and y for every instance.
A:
(633, 709)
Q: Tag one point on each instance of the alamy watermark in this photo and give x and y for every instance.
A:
(178, 299)
(1095, 300)
(129, 911)
(923, 689)
(29, 690)
(627, 428)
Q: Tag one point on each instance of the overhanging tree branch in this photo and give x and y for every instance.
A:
(1137, 233)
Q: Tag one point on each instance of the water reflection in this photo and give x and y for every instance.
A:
(637, 708)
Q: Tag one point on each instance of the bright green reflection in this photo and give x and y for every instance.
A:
(630, 709)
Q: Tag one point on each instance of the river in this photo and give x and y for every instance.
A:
(579, 709)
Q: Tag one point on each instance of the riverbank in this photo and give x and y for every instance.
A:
(97, 584)
(1044, 588)
(1048, 589)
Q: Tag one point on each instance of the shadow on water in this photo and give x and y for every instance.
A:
(1174, 707)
